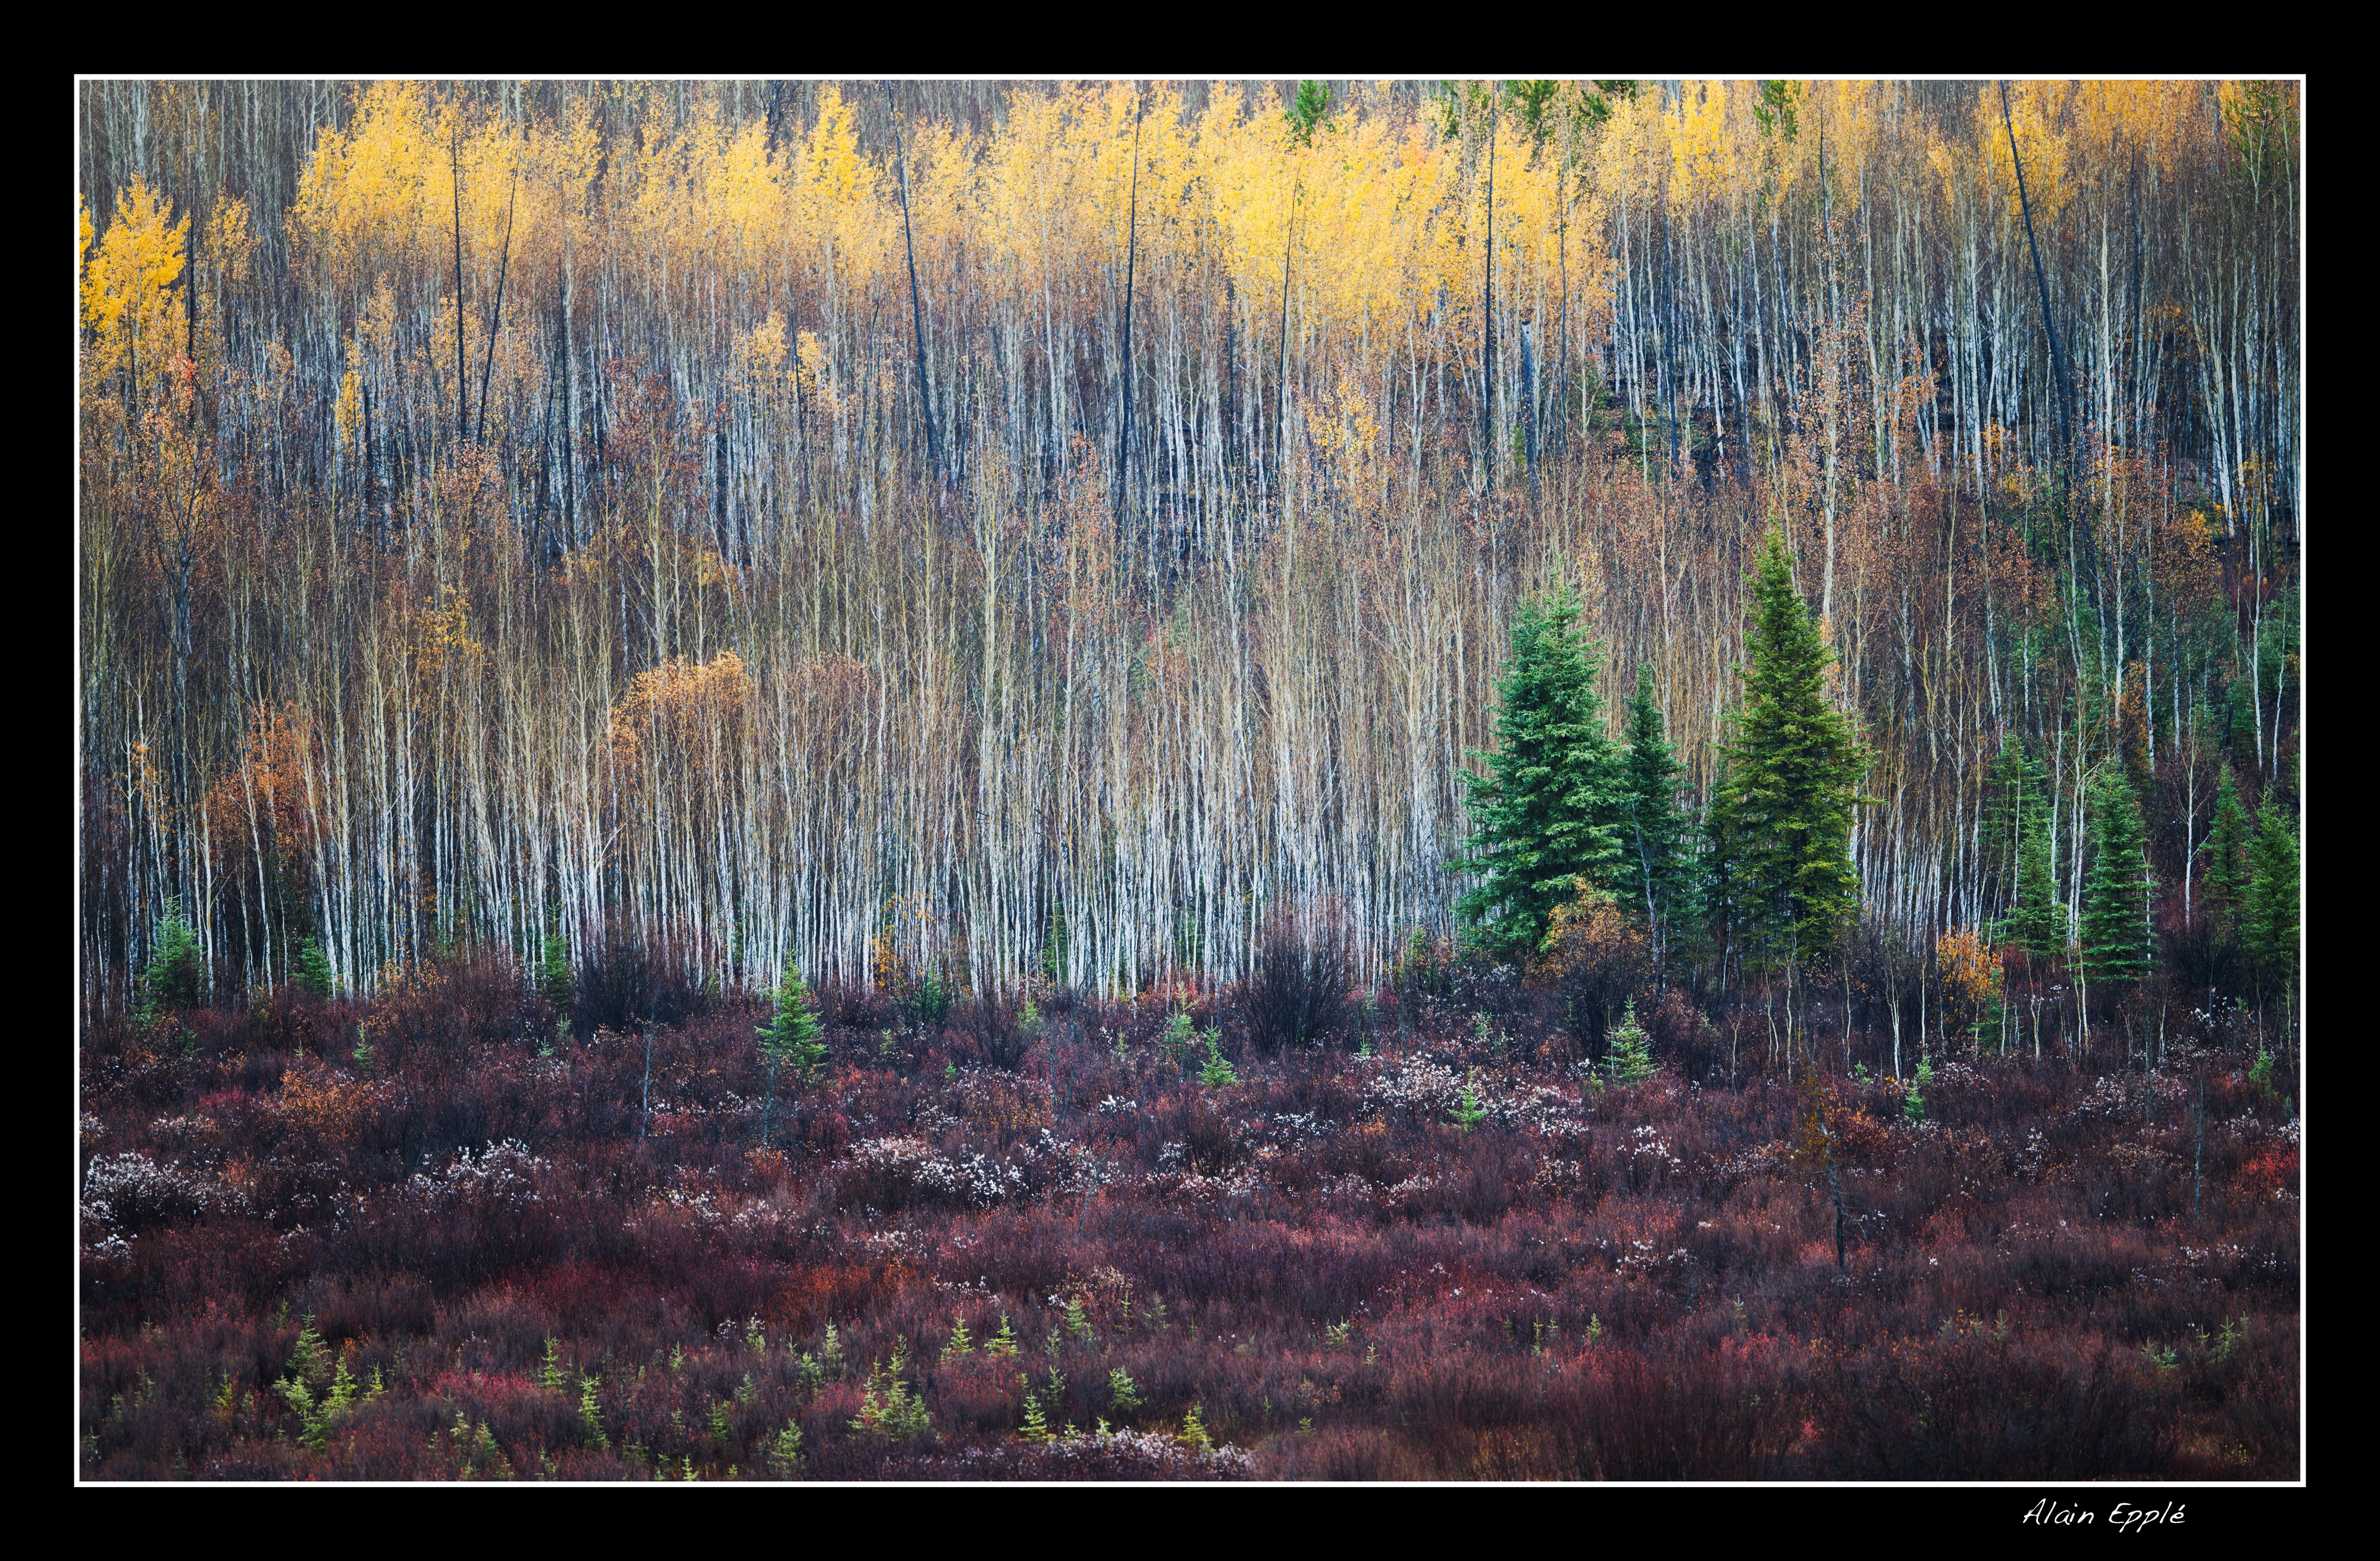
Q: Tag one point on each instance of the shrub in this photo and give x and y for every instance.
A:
(1296, 994)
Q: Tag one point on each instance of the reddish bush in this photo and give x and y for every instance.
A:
(548, 1271)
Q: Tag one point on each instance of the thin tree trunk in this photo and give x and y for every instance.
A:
(1124, 376)
(462, 383)
(916, 310)
(496, 319)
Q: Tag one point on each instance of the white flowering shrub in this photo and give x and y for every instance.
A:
(502, 1173)
(1111, 1455)
(123, 1193)
(1416, 1089)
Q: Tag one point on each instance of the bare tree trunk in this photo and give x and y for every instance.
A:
(1123, 375)
(496, 317)
(1488, 317)
(462, 384)
(916, 310)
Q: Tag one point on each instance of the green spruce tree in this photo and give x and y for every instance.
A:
(2241, 738)
(312, 973)
(1542, 817)
(2011, 792)
(554, 972)
(1304, 114)
(2115, 934)
(1656, 861)
(791, 1039)
(176, 977)
(2037, 922)
(1630, 1058)
(2269, 913)
(1794, 763)
(2224, 888)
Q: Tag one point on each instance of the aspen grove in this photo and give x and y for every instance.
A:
(1087, 517)
(1155, 780)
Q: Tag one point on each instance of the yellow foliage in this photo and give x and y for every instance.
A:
(1588, 932)
(443, 639)
(685, 710)
(1970, 971)
(128, 286)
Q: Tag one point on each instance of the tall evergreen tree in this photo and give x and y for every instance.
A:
(2269, 914)
(2003, 808)
(1542, 817)
(1654, 844)
(555, 979)
(2036, 923)
(2116, 935)
(2241, 738)
(1795, 765)
(2225, 887)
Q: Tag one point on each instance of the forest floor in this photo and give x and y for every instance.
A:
(417, 1239)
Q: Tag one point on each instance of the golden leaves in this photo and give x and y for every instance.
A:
(1970, 968)
(682, 710)
(1588, 931)
(127, 297)
(349, 412)
(265, 798)
(442, 640)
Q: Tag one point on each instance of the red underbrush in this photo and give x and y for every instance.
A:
(413, 1239)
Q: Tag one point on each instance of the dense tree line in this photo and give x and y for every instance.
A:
(1059, 530)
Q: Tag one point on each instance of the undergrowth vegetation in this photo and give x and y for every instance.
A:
(1423, 1235)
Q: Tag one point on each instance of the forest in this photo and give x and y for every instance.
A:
(1129, 780)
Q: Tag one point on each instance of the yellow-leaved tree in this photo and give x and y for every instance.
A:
(128, 290)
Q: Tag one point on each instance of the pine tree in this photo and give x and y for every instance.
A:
(2014, 783)
(554, 972)
(1795, 765)
(2037, 922)
(2000, 832)
(2269, 914)
(1543, 816)
(1303, 115)
(1630, 1059)
(2241, 736)
(2224, 890)
(1654, 844)
(1912, 1104)
(176, 977)
(311, 974)
(2116, 936)
(791, 1039)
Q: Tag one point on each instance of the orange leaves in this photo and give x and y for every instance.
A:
(2190, 568)
(680, 703)
(335, 1113)
(1811, 1146)
(1969, 971)
(442, 640)
(682, 724)
(265, 799)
